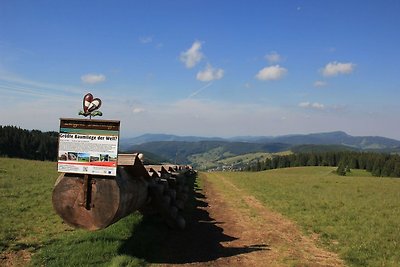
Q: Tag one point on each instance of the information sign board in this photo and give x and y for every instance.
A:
(88, 146)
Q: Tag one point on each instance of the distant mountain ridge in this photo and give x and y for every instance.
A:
(335, 138)
(206, 152)
(146, 138)
(328, 138)
(182, 152)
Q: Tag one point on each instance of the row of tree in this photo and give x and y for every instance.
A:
(378, 164)
(19, 143)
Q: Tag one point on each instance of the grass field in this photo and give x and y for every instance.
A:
(25, 197)
(357, 216)
(251, 157)
(215, 157)
(28, 224)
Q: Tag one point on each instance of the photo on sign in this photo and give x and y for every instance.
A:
(94, 158)
(72, 156)
(83, 157)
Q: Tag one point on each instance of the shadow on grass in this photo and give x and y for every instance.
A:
(201, 240)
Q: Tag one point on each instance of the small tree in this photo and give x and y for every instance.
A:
(347, 169)
(341, 169)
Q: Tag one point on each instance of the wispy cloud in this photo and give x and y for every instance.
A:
(203, 117)
(35, 104)
(335, 68)
(15, 84)
(92, 78)
(146, 39)
(138, 110)
(273, 57)
(193, 55)
(320, 84)
(310, 105)
(271, 73)
(210, 74)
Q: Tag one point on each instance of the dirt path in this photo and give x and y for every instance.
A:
(235, 229)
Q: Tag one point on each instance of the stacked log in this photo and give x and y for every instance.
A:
(95, 202)
(169, 193)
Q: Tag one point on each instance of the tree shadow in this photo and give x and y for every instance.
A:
(200, 241)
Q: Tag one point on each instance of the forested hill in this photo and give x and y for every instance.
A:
(34, 144)
(181, 152)
(330, 138)
(29, 144)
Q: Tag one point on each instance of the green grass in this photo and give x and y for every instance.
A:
(27, 217)
(216, 157)
(246, 158)
(208, 159)
(100, 248)
(357, 216)
(28, 222)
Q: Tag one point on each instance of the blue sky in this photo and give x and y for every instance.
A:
(209, 68)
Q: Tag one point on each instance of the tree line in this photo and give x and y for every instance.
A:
(378, 164)
(20, 143)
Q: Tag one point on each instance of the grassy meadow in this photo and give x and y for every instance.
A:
(25, 197)
(357, 216)
(29, 224)
(217, 157)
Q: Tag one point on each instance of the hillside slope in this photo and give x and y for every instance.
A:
(184, 152)
(329, 138)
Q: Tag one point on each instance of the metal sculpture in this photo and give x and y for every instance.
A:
(91, 106)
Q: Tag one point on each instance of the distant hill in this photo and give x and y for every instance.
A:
(321, 148)
(203, 152)
(329, 138)
(180, 151)
(206, 152)
(147, 138)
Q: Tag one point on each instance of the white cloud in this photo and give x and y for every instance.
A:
(271, 73)
(210, 74)
(335, 68)
(304, 104)
(273, 57)
(320, 84)
(146, 39)
(138, 110)
(192, 56)
(92, 78)
(317, 105)
(310, 105)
